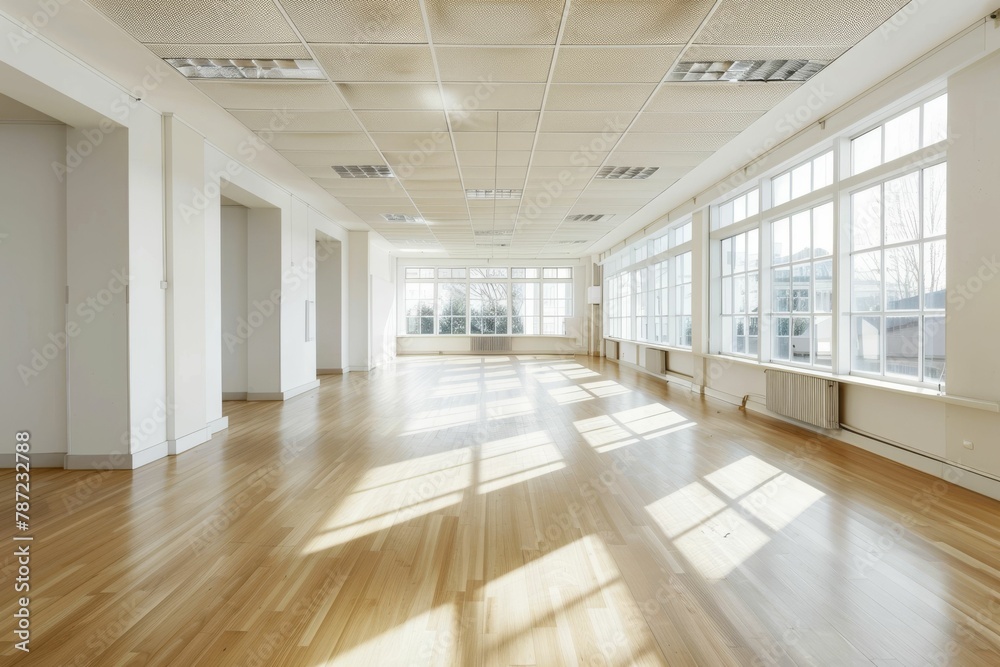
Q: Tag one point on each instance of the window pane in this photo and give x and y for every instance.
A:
(866, 151)
(935, 204)
(936, 120)
(801, 288)
(780, 241)
(753, 202)
(801, 236)
(781, 289)
(866, 344)
(727, 295)
(753, 250)
(823, 341)
(902, 209)
(740, 293)
(802, 180)
(781, 189)
(725, 215)
(866, 283)
(531, 273)
(740, 253)
(902, 135)
(727, 256)
(801, 340)
(739, 209)
(902, 346)
(823, 230)
(780, 327)
(565, 273)
(902, 278)
(866, 218)
(934, 275)
(823, 171)
(934, 339)
(753, 293)
(517, 273)
(823, 286)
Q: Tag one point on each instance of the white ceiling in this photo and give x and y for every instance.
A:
(524, 94)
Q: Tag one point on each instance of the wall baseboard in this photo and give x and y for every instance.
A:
(189, 441)
(220, 424)
(282, 395)
(38, 460)
(357, 369)
(116, 461)
(234, 396)
(329, 371)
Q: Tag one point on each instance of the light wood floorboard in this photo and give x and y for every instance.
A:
(507, 511)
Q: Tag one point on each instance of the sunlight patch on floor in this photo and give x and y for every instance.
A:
(434, 420)
(721, 544)
(780, 501)
(684, 509)
(570, 394)
(605, 388)
(743, 476)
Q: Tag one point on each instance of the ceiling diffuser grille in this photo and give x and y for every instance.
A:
(363, 171)
(493, 194)
(246, 68)
(401, 217)
(589, 217)
(748, 70)
(626, 173)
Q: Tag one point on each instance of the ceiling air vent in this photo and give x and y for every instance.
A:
(626, 173)
(493, 194)
(748, 70)
(568, 243)
(492, 245)
(589, 217)
(246, 68)
(402, 217)
(495, 232)
(363, 171)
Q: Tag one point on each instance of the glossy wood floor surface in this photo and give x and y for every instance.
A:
(508, 511)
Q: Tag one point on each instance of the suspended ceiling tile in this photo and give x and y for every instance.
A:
(398, 96)
(475, 141)
(634, 21)
(415, 142)
(598, 97)
(494, 63)
(722, 52)
(647, 159)
(473, 121)
(517, 121)
(403, 121)
(568, 159)
(614, 64)
(407, 159)
(376, 62)
(358, 21)
(774, 22)
(728, 96)
(664, 142)
(586, 121)
(321, 141)
(651, 121)
(327, 158)
(507, 22)
(298, 121)
(584, 142)
(283, 96)
(475, 96)
(515, 141)
(280, 51)
(191, 22)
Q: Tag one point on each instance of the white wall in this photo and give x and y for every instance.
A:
(97, 242)
(329, 315)
(359, 303)
(33, 273)
(147, 299)
(234, 299)
(186, 294)
(382, 303)
(263, 312)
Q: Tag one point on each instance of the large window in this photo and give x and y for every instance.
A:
(487, 300)
(648, 290)
(802, 287)
(898, 276)
(919, 127)
(740, 293)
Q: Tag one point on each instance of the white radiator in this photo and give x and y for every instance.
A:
(656, 361)
(491, 344)
(611, 349)
(808, 399)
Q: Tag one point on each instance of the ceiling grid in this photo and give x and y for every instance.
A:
(574, 86)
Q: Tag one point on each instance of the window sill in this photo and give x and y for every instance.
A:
(922, 392)
(448, 336)
(655, 346)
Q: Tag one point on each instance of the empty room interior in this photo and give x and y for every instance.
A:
(500, 333)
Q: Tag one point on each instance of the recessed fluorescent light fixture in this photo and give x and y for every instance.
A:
(402, 217)
(247, 68)
(493, 194)
(495, 232)
(363, 171)
(626, 173)
(588, 217)
(759, 71)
